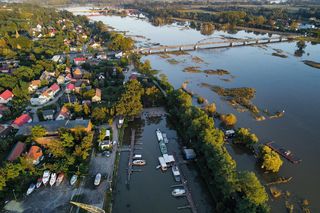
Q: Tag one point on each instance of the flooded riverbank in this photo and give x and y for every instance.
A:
(150, 190)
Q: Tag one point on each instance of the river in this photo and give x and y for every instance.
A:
(281, 84)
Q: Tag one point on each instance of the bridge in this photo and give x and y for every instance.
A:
(227, 43)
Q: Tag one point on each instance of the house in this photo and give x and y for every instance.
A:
(55, 88)
(61, 79)
(35, 154)
(5, 130)
(70, 88)
(46, 75)
(68, 98)
(77, 73)
(34, 85)
(189, 154)
(97, 96)
(6, 96)
(48, 114)
(20, 121)
(79, 61)
(52, 127)
(16, 151)
(64, 114)
(56, 58)
(68, 70)
(102, 56)
(42, 99)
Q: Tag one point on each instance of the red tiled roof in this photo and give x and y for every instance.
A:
(23, 119)
(6, 95)
(35, 153)
(54, 87)
(79, 59)
(64, 111)
(70, 86)
(16, 151)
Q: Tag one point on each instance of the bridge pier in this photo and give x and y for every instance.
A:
(195, 47)
(165, 50)
(269, 40)
(231, 44)
(257, 41)
(180, 48)
(280, 39)
(149, 51)
(244, 43)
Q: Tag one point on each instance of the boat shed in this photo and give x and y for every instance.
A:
(189, 154)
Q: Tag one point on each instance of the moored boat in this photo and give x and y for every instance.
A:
(73, 179)
(165, 139)
(60, 179)
(159, 135)
(97, 179)
(163, 164)
(163, 148)
(139, 162)
(46, 177)
(137, 156)
(53, 179)
(39, 182)
(178, 192)
(176, 173)
(287, 154)
(31, 188)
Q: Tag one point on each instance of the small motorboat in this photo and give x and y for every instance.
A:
(97, 179)
(46, 177)
(73, 179)
(139, 162)
(53, 179)
(136, 157)
(178, 192)
(176, 173)
(60, 179)
(31, 188)
(39, 182)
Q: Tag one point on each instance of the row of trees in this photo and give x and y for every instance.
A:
(233, 191)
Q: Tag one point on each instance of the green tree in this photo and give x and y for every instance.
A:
(210, 108)
(229, 119)
(67, 139)
(38, 132)
(244, 136)
(271, 160)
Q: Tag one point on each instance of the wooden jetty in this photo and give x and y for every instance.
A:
(188, 195)
(129, 170)
(283, 152)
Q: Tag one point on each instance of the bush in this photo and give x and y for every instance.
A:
(229, 119)
(200, 100)
(210, 108)
(271, 160)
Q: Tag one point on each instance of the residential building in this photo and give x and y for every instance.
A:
(52, 127)
(97, 96)
(55, 88)
(21, 120)
(61, 79)
(68, 98)
(16, 151)
(48, 114)
(79, 61)
(34, 85)
(77, 73)
(35, 154)
(70, 88)
(5, 130)
(6, 96)
(64, 114)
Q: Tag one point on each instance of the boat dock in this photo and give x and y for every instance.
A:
(129, 170)
(283, 152)
(188, 195)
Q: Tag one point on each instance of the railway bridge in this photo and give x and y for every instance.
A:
(227, 43)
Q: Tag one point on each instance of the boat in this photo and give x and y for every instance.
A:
(139, 162)
(73, 179)
(178, 192)
(159, 135)
(163, 148)
(165, 139)
(158, 167)
(176, 173)
(60, 179)
(39, 182)
(162, 164)
(46, 177)
(31, 188)
(287, 154)
(135, 157)
(97, 179)
(53, 179)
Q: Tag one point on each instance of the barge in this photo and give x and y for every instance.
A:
(287, 154)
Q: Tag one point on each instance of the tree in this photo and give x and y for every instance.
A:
(67, 139)
(210, 108)
(244, 136)
(86, 109)
(99, 114)
(120, 43)
(200, 100)
(271, 160)
(229, 119)
(38, 132)
(102, 134)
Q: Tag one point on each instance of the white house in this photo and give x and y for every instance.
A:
(6, 96)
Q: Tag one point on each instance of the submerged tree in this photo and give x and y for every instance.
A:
(271, 160)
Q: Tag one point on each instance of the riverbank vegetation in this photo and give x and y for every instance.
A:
(270, 160)
(233, 191)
